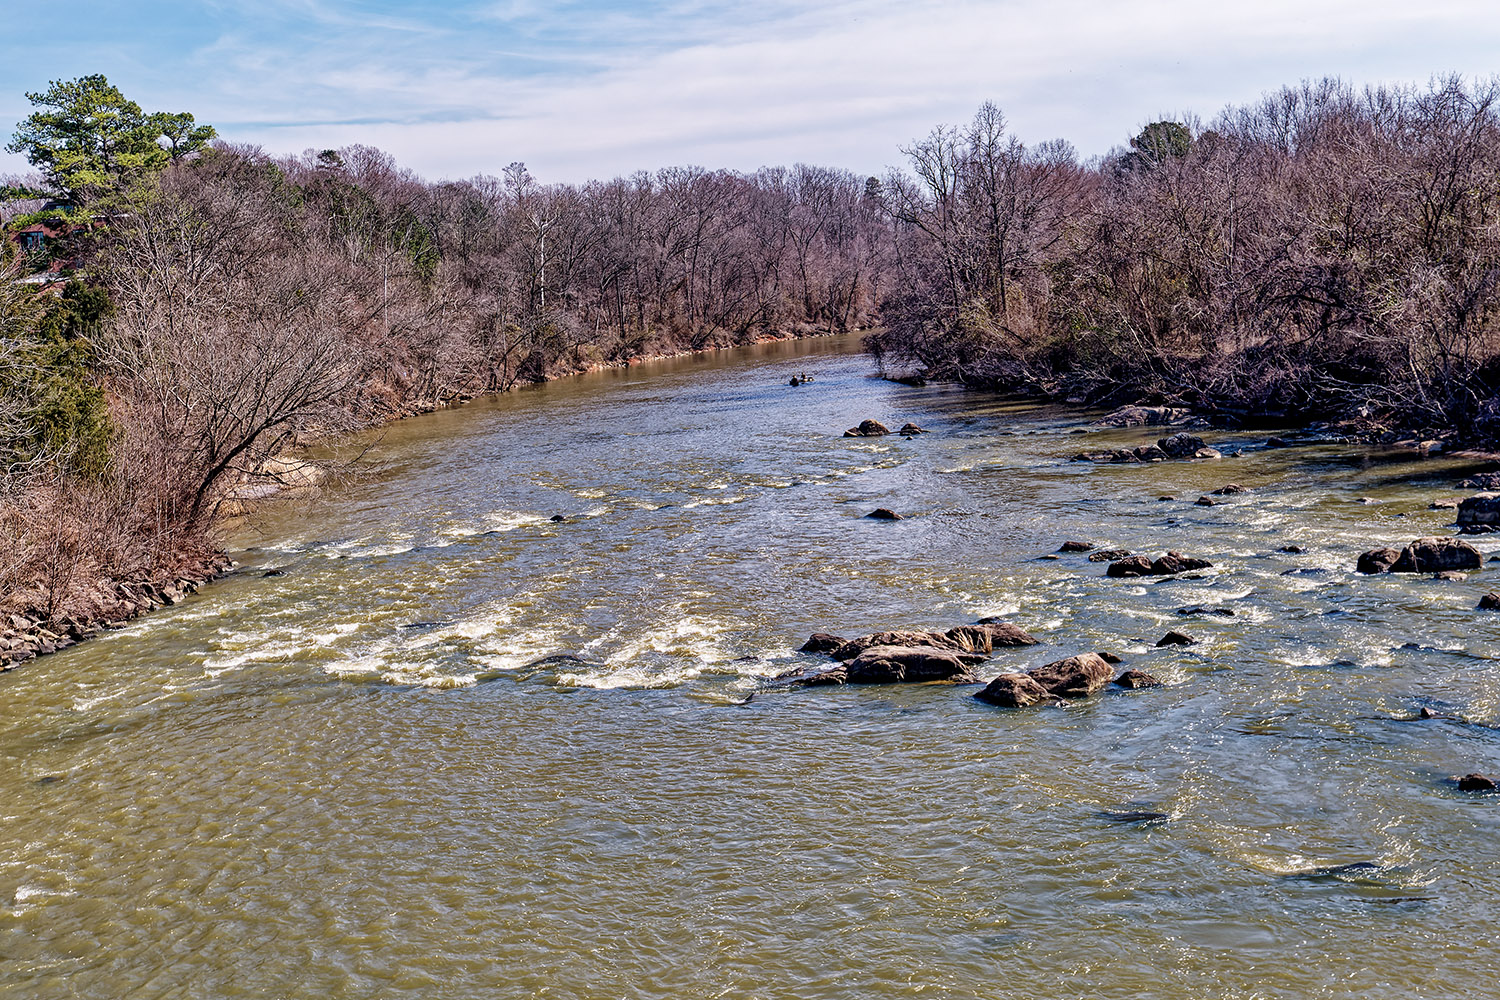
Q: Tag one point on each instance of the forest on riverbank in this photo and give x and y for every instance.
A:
(177, 312)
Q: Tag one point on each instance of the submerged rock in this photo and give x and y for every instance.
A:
(1200, 610)
(884, 514)
(1293, 549)
(1108, 555)
(1490, 602)
(1145, 817)
(1075, 546)
(1207, 502)
(1476, 783)
(1228, 489)
(867, 428)
(911, 430)
(1175, 638)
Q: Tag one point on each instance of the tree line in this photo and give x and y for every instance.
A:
(1328, 252)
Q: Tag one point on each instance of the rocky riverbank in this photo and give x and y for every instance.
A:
(35, 632)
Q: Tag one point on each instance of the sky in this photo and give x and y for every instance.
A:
(581, 89)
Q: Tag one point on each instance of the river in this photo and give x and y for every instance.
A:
(356, 779)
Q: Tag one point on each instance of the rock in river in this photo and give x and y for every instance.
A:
(1075, 677)
(1013, 691)
(1436, 555)
(1377, 561)
(1490, 602)
(906, 665)
(884, 514)
(867, 428)
(1175, 638)
(1481, 508)
(1134, 680)
(1181, 445)
(821, 642)
(969, 641)
(892, 665)
(1476, 783)
(1075, 546)
(1425, 555)
(1168, 565)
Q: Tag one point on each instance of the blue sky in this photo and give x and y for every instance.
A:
(589, 89)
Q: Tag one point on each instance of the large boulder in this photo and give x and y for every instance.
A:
(867, 428)
(1481, 508)
(1436, 555)
(907, 665)
(1013, 691)
(1075, 677)
(1144, 416)
(1181, 445)
(1167, 565)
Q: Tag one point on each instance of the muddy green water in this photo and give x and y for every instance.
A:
(279, 789)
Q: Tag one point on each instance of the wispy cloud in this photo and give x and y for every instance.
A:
(579, 88)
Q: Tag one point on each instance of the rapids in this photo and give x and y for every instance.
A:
(459, 749)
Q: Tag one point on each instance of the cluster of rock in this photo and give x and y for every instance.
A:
(35, 632)
(874, 428)
(1425, 555)
(908, 656)
(1175, 447)
(1074, 677)
(1168, 565)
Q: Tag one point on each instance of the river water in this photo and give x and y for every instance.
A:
(356, 779)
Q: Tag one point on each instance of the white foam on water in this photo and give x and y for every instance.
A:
(715, 501)
(509, 520)
(629, 677)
